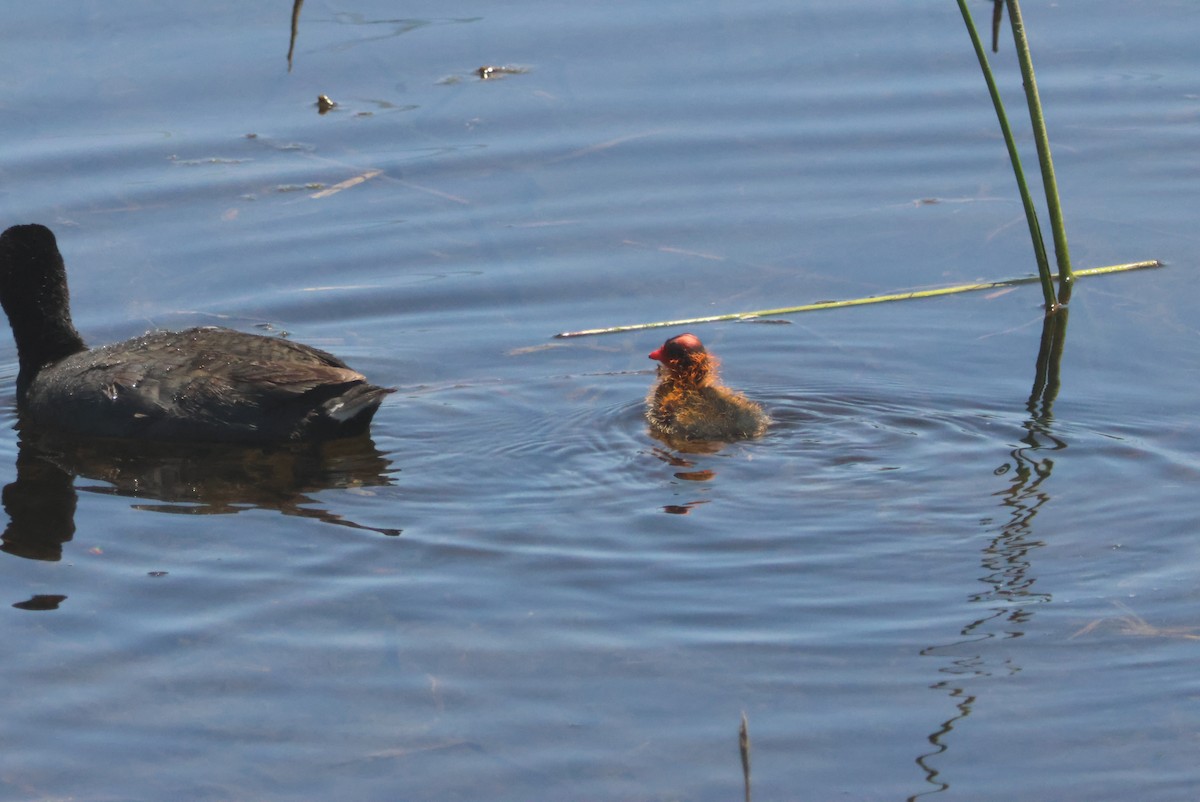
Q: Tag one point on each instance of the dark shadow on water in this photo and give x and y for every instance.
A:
(176, 478)
(42, 602)
(1009, 577)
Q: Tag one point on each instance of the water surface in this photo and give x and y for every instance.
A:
(918, 583)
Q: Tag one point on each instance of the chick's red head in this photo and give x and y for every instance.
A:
(682, 348)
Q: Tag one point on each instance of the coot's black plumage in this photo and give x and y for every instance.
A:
(204, 384)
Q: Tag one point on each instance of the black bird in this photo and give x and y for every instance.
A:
(201, 385)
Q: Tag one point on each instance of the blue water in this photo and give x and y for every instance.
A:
(917, 584)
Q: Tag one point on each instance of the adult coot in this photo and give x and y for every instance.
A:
(689, 403)
(204, 384)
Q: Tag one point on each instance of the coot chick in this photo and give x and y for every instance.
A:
(689, 403)
(202, 385)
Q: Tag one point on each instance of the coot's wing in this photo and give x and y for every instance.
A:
(204, 384)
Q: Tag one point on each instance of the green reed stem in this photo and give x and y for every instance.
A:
(875, 299)
(1035, 229)
(1041, 138)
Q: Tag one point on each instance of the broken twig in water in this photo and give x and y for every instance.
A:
(349, 182)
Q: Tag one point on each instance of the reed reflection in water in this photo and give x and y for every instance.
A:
(1007, 558)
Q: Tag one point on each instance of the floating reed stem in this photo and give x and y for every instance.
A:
(1066, 276)
(874, 299)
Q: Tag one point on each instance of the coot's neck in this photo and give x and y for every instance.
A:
(42, 345)
(33, 291)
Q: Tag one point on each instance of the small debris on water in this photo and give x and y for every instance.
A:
(490, 71)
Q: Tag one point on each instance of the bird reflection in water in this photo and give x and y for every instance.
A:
(679, 461)
(187, 479)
